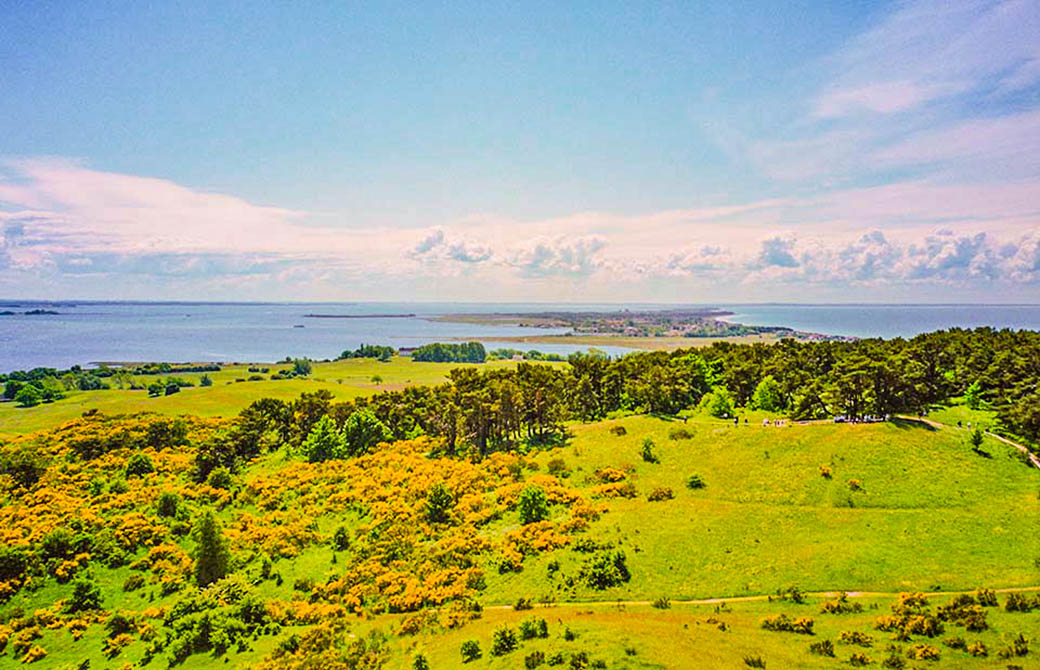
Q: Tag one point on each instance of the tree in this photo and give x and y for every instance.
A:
(213, 558)
(768, 395)
(719, 403)
(205, 380)
(86, 595)
(973, 395)
(976, 440)
(28, 396)
(324, 442)
(301, 367)
(533, 505)
(363, 431)
(439, 502)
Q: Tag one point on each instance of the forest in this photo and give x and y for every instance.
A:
(504, 409)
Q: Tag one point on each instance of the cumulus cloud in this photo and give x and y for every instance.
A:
(705, 260)
(435, 247)
(577, 256)
(777, 251)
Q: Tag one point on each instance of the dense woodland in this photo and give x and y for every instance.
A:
(484, 411)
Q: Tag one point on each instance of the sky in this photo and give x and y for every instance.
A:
(466, 151)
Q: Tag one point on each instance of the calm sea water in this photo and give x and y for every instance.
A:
(85, 332)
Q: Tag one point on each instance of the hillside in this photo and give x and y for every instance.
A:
(327, 554)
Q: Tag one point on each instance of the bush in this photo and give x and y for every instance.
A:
(119, 624)
(647, 451)
(840, 605)
(694, 482)
(661, 603)
(557, 467)
(504, 641)
(618, 430)
(533, 505)
(894, 662)
(470, 651)
(522, 604)
(86, 596)
(605, 570)
(118, 485)
(977, 649)
(205, 380)
(859, 660)
(533, 628)
(168, 504)
(922, 652)
(220, 478)
(24, 465)
(139, 464)
(420, 663)
(781, 623)
(754, 662)
(1018, 603)
(660, 493)
(855, 637)
(1019, 646)
(986, 597)
(534, 659)
(680, 434)
(14, 562)
(133, 583)
(341, 539)
(822, 648)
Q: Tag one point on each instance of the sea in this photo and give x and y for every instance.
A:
(86, 333)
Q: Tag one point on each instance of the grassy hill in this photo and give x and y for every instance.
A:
(821, 507)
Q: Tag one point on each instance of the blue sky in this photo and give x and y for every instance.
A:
(523, 151)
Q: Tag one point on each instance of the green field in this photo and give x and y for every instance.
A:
(344, 379)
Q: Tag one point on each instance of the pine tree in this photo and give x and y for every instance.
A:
(439, 502)
(213, 557)
(324, 442)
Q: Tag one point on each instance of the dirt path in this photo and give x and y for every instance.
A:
(758, 598)
(1033, 458)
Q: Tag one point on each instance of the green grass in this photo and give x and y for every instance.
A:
(931, 514)
(685, 637)
(344, 379)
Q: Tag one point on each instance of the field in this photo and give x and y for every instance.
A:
(231, 391)
(879, 509)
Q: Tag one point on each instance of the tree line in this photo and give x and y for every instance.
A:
(478, 411)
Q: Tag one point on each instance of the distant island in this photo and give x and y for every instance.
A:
(31, 312)
(670, 323)
(359, 316)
